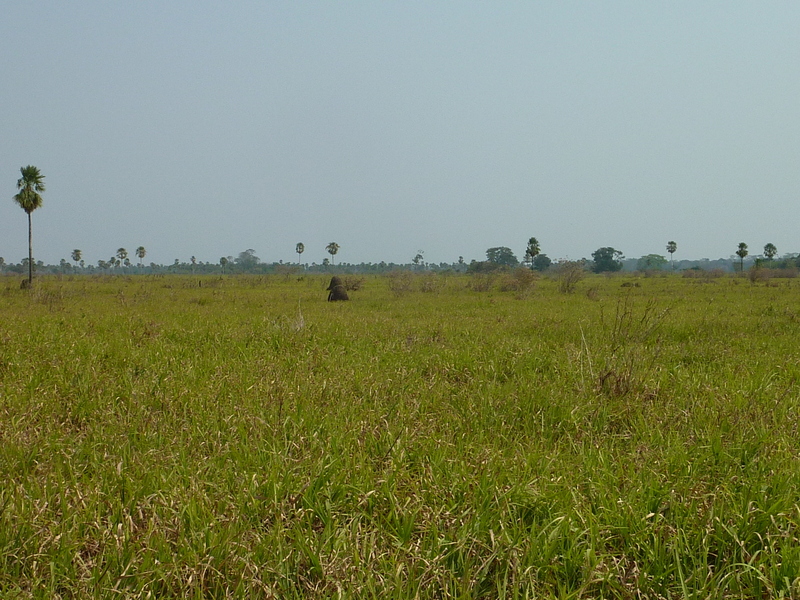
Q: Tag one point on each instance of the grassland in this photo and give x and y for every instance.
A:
(240, 437)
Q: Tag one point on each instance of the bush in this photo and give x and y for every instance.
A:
(352, 283)
(757, 274)
(698, 273)
(399, 281)
(484, 266)
(568, 274)
(518, 280)
(431, 283)
(480, 283)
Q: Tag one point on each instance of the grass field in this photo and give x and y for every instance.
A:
(241, 437)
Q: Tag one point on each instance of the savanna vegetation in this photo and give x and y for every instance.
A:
(500, 435)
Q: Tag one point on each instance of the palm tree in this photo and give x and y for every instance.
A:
(770, 251)
(76, 256)
(140, 253)
(122, 254)
(300, 248)
(30, 186)
(741, 253)
(222, 262)
(193, 260)
(671, 248)
(332, 249)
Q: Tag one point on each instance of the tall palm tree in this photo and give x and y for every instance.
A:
(671, 248)
(770, 251)
(300, 248)
(30, 186)
(741, 253)
(332, 249)
(533, 249)
(76, 256)
(141, 252)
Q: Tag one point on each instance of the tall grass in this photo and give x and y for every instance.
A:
(240, 437)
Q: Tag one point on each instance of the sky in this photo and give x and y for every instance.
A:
(207, 128)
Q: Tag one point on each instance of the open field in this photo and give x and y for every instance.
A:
(240, 437)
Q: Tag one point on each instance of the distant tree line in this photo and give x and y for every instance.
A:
(604, 260)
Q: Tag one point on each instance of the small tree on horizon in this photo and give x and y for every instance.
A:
(299, 248)
(332, 249)
(418, 258)
(741, 253)
(770, 251)
(541, 263)
(501, 256)
(532, 251)
(607, 259)
(671, 248)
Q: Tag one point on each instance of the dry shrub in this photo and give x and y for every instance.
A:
(625, 358)
(568, 273)
(53, 299)
(288, 270)
(400, 281)
(783, 273)
(518, 280)
(480, 282)
(757, 274)
(703, 273)
(352, 283)
(431, 283)
(787, 273)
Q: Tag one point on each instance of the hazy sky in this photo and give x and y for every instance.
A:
(206, 128)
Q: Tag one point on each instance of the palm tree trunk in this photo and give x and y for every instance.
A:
(30, 252)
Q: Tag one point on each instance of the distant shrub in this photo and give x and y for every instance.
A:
(783, 273)
(568, 274)
(655, 273)
(518, 280)
(480, 283)
(431, 283)
(400, 282)
(352, 283)
(485, 266)
(757, 274)
(788, 273)
(287, 270)
(698, 273)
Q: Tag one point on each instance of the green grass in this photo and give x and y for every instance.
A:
(240, 437)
